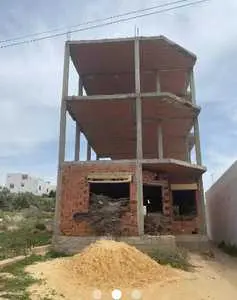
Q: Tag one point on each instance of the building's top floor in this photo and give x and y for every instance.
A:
(107, 66)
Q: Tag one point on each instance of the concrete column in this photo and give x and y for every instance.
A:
(88, 152)
(192, 87)
(188, 152)
(62, 134)
(203, 227)
(138, 100)
(160, 142)
(195, 124)
(77, 143)
(157, 82)
(139, 152)
(78, 132)
(80, 87)
(198, 154)
(197, 142)
(188, 155)
(62, 140)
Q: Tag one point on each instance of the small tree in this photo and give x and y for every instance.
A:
(52, 194)
(5, 199)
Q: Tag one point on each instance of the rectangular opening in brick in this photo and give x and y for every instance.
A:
(184, 204)
(111, 191)
(153, 209)
(152, 198)
(108, 203)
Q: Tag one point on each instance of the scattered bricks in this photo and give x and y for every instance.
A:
(185, 227)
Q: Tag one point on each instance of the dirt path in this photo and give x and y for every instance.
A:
(213, 279)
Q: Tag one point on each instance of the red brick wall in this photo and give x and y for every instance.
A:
(188, 226)
(75, 197)
(176, 227)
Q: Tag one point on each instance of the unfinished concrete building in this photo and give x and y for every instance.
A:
(136, 107)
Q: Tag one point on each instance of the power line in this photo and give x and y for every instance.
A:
(100, 25)
(92, 21)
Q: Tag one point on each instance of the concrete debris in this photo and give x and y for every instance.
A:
(104, 215)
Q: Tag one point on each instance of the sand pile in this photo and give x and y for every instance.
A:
(108, 264)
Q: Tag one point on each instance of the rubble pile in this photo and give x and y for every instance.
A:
(155, 224)
(104, 215)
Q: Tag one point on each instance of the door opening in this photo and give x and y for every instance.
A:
(152, 195)
(153, 207)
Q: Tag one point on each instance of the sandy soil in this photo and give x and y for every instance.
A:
(212, 279)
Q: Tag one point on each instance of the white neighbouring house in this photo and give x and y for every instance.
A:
(21, 183)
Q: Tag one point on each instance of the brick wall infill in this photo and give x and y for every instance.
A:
(75, 197)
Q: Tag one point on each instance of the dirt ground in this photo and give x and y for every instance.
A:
(212, 279)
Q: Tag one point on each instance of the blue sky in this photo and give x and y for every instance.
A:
(31, 75)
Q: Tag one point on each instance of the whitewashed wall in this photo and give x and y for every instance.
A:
(16, 183)
(221, 205)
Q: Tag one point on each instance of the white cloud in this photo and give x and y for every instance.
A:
(31, 75)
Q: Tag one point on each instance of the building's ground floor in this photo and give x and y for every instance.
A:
(106, 197)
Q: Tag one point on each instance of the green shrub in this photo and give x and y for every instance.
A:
(19, 242)
(228, 248)
(52, 194)
(16, 287)
(12, 201)
(177, 258)
(40, 226)
(56, 254)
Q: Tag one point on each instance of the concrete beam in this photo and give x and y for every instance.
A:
(165, 96)
(103, 97)
(131, 39)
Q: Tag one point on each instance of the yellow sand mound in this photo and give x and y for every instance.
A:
(107, 263)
